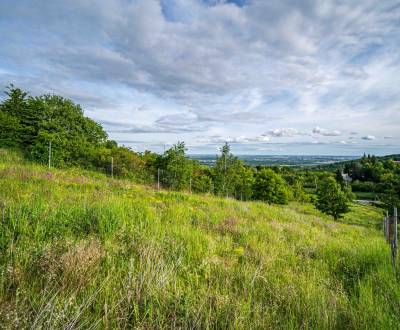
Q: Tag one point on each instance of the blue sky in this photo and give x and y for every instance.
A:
(270, 77)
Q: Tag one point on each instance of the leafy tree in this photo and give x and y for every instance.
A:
(296, 182)
(176, 167)
(271, 187)
(40, 120)
(331, 199)
(231, 177)
(339, 177)
(223, 181)
(244, 181)
(8, 130)
(201, 180)
(11, 110)
(152, 162)
(299, 193)
(128, 164)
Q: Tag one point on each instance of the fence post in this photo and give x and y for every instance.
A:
(158, 179)
(3, 212)
(387, 233)
(384, 225)
(394, 235)
(112, 167)
(49, 154)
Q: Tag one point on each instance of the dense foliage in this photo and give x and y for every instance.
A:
(270, 187)
(379, 177)
(32, 123)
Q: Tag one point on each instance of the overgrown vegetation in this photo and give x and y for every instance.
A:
(80, 250)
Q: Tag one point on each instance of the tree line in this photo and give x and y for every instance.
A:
(380, 176)
(31, 123)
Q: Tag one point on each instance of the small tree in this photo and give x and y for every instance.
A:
(271, 187)
(244, 181)
(339, 177)
(331, 199)
(177, 168)
(225, 172)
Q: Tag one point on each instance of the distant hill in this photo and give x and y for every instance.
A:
(340, 164)
(395, 157)
(277, 160)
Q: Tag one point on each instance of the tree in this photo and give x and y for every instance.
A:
(176, 167)
(299, 193)
(201, 179)
(331, 199)
(127, 164)
(271, 187)
(31, 123)
(339, 177)
(8, 130)
(296, 182)
(11, 110)
(231, 178)
(244, 182)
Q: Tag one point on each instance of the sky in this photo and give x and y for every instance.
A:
(269, 77)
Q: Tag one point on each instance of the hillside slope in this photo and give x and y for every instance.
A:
(79, 250)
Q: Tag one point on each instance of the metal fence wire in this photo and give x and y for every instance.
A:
(390, 232)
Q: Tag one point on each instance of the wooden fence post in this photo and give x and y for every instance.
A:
(3, 212)
(384, 225)
(387, 233)
(112, 167)
(394, 242)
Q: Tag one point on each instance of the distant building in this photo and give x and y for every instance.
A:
(347, 178)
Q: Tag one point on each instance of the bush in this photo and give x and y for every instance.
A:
(271, 187)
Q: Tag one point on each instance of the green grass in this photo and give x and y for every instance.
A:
(79, 250)
(365, 195)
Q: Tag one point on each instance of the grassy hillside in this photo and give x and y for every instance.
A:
(79, 250)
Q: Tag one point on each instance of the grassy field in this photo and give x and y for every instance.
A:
(79, 250)
(365, 195)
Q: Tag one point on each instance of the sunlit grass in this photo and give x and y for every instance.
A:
(79, 250)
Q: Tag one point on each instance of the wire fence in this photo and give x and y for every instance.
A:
(390, 232)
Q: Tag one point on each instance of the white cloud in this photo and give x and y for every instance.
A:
(321, 131)
(283, 132)
(233, 139)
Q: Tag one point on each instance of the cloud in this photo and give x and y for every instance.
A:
(222, 68)
(232, 139)
(283, 132)
(321, 131)
(368, 137)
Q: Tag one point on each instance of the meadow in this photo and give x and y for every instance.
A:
(79, 250)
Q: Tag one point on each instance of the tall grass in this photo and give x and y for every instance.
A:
(79, 250)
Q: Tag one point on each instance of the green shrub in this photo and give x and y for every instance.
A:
(271, 187)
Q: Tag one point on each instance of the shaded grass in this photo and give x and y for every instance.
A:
(79, 250)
